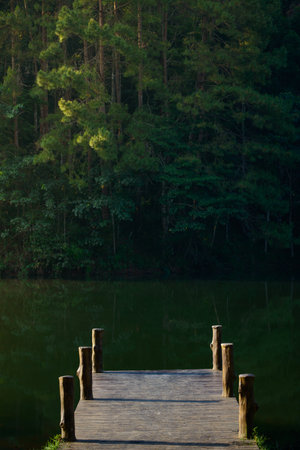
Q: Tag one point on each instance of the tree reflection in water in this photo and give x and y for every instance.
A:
(148, 325)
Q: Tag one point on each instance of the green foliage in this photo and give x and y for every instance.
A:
(262, 441)
(53, 443)
(156, 128)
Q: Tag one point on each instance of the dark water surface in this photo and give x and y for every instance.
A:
(148, 325)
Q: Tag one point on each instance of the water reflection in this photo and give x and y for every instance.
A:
(148, 325)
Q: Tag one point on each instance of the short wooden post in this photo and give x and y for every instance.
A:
(97, 345)
(216, 347)
(66, 392)
(228, 375)
(247, 405)
(84, 373)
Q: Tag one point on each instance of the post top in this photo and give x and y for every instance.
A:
(84, 348)
(227, 344)
(216, 326)
(64, 377)
(97, 329)
(246, 375)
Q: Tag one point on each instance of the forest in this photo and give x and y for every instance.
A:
(149, 136)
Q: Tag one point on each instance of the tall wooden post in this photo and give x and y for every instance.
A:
(247, 405)
(84, 373)
(228, 375)
(97, 346)
(67, 424)
(216, 347)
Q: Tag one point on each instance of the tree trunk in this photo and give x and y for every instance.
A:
(140, 46)
(117, 73)
(44, 67)
(105, 208)
(165, 216)
(85, 52)
(35, 69)
(164, 35)
(101, 47)
(214, 233)
(13, 66)
(114, 239)
(113, 85)
(291, 215)
(243, 139)
(89, 150)
(117, 63)
(266, 240)
(165, 40)
(201, 76)
(35, 112)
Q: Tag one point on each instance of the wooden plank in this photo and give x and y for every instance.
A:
(160, 410)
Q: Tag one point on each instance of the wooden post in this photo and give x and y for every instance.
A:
(97, 345)
(84, 373)
(247, 405)
(216, 347)
(228, 375)
(67, 424)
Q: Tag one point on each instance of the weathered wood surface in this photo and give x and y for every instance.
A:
(158, 410)
(227, 370)
(84, 373)
(97, 353)
(216, 346)
(66, 391)
(248, 406)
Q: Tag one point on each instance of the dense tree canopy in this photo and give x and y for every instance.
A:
(148, 134)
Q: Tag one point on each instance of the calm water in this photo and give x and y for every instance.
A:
(148, 325)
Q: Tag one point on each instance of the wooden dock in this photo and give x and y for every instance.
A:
(158, 410)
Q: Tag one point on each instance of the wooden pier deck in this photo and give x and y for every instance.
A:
(158, 410)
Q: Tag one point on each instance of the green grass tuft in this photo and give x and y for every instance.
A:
(53, 443)
(262, 441)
